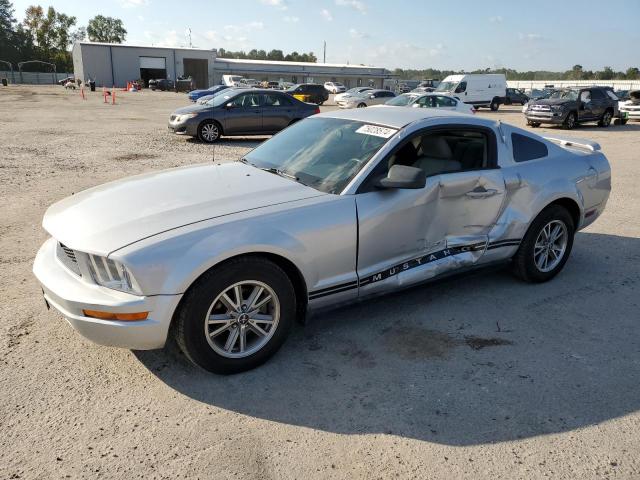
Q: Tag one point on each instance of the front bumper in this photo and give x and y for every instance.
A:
(184, 128)
(630, 112)
(70, 294)
(555, 118)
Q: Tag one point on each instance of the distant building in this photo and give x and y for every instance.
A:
(112, 64)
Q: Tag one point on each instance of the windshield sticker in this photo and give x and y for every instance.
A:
(383, 132)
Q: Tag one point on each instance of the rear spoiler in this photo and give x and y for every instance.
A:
(573, 142)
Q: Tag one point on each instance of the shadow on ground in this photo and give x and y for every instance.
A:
(471, 360)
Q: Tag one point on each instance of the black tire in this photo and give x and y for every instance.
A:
(209, 131)
(361, 105)
(534, 124)
(623, 121)
(190, 318)
(495, 105)
(571, 121)
(605, 121)
(523, 262)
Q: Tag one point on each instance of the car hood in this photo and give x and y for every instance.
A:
(111, 216)
(552, 101)
(195, 108)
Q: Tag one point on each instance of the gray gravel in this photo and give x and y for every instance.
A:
(476, 377)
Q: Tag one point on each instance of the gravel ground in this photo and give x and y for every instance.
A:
(475, 377)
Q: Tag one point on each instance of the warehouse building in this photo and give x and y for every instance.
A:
(302, 72)
(115, 64)
(112, 64)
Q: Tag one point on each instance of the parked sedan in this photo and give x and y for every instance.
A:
(431, 100)
(240, 112)
(194, 95)
(366, 99)
(335, 87)
(351, 92)
(342, 206)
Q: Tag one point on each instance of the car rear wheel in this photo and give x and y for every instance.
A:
(236, 316)
(209, 131)
(546, 246)
(570, 121)
(605, 121)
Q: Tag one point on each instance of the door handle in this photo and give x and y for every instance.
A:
(481, 192)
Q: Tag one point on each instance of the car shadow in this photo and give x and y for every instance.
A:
(246, 142)
(593, 127)
(476, 359)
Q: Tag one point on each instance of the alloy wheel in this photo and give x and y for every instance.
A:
(242, 319)
(550, 246)
(606, 119)
(209, 132)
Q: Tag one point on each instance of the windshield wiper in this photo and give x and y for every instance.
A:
(275, 171)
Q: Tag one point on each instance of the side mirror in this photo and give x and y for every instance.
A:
(372, 96)
(229, 106)
(402, 176)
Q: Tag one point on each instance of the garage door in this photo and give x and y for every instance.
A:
(153, 62)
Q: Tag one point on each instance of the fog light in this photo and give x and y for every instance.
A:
(128, 317)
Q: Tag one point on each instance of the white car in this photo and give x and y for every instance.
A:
(367, 99)
(351, 93)
(335, 87)
(431, 100)
(630, 109)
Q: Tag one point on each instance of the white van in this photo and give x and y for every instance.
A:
(232, 80)
(479, 90)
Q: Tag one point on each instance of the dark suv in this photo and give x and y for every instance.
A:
(571, 106)
(515, 95)
(317, 93)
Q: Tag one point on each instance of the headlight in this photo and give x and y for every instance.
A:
(112, 274)
(185, 116)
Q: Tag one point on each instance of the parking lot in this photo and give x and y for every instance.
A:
(480, 375)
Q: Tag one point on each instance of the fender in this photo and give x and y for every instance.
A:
(319, 237)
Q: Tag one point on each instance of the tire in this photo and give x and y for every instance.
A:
(571, 121)
(209, 131)
(361, 105)
(605, 121)
(226, 353)
(495, 105)
(623, 121)
(534, 124)
(528, 262)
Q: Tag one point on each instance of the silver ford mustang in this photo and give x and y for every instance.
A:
(338, 207)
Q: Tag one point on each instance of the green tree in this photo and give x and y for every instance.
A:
(106, 29)
(632, 73)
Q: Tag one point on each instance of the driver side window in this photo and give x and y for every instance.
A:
(441, 151)
(248, 100)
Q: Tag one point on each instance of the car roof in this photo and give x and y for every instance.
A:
(399, 117)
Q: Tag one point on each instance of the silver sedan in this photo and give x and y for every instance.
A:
(339, 207)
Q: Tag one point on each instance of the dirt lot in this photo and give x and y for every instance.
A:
(475, 377)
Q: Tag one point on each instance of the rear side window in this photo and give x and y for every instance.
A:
(526, 148)
(597, 94)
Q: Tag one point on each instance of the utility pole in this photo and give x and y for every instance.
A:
(324, 55)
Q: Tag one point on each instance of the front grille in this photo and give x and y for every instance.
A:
(68, 258)
(541, 108)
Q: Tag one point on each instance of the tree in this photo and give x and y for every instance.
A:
(632, 73)
(106, 29)
(606, 74)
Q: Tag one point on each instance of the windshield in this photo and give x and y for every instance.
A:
(564, 95)
(323, 153)
(221, 97)
(402, 100)
(446, 86)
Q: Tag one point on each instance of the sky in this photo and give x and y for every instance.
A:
(458, 35)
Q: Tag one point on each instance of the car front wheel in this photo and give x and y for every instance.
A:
(236, 316)
(546, 246)
(605, 121)
(209, 131)
(570, 122)
(362, 105)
